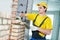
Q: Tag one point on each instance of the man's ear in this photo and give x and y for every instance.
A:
(45, 8)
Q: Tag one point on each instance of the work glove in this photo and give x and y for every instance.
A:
(33, 28)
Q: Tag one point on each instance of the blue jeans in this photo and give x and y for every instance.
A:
(38, 39)
(36, 36)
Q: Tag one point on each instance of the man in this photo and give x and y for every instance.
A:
(41, 21)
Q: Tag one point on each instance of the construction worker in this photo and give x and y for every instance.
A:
(41, 21)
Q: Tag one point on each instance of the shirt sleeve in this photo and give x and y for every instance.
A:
(49, 24)
(31, 16)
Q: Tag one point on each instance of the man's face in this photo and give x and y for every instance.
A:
(41, 9)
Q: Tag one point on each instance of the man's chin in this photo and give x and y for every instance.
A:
(40, 12)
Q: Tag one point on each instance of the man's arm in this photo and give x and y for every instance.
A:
(48, 29)
(22, 15)
(45, 31)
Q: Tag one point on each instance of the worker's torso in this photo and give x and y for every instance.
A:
(46, 25)
(38, 21)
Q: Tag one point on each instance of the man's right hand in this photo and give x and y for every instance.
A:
(22, 15)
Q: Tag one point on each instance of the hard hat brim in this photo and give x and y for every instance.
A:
(38, 5)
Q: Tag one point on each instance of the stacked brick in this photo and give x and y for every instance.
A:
(14, 8)
(4, 32)
(16, 31)
(10, 29)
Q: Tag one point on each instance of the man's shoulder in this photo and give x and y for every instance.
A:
(34, 13)
(48, 18)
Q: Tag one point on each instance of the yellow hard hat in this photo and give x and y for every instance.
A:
(42, 4)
